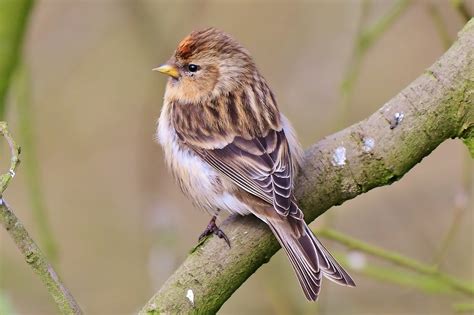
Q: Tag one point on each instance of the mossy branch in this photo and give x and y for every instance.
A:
(33, 255)
(437, 106)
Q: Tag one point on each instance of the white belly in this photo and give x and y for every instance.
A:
(208, 189)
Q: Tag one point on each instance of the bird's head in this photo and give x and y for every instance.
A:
(206, 64)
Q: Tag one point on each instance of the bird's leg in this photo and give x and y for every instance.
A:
(213, 229)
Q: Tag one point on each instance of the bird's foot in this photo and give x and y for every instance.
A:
(212, 228)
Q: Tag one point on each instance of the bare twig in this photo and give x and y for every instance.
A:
(460, 5)
(439, 24)
(461, 202)
(402, 278)
(14, 160)
(464, 307)
(33, 255)
(352, 71)
(462, 197)
(366, 37)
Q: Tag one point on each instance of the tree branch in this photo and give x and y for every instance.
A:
(33, 255)
(375, 152)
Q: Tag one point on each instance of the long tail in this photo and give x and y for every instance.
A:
(307, 255)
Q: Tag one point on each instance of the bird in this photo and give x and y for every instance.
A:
(230, 148)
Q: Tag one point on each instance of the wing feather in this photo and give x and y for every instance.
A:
(261, 166)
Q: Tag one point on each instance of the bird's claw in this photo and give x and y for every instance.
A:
(212, 228)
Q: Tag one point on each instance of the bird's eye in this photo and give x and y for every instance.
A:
(192, 67)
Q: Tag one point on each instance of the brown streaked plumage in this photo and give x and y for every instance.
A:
(231, 149)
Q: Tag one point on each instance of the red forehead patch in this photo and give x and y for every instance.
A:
(186, 47)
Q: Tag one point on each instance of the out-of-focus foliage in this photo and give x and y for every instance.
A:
(30, 163)
(13, 14)
(5, 305)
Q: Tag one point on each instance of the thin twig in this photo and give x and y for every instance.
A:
(461, 199)
(14, 160)
(373, 33)
(400, 277)
(460, 5)
(33, 255)
(366, 37)
(464, 307)
(399, 260)
(459, 209)
(352, 71)
(440, 25)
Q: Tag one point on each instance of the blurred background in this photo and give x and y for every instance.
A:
(93, 189)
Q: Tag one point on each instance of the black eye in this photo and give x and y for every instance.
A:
(192, 67)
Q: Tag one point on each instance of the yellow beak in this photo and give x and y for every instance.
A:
(170, 70)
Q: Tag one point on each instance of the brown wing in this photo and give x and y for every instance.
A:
(261, 166)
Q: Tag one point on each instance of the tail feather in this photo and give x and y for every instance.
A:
(309, 258)
(308, 272)
(329, 265)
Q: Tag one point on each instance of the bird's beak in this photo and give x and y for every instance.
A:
(170, 70)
